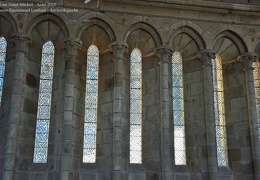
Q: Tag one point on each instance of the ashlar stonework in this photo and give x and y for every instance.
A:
(200, 30)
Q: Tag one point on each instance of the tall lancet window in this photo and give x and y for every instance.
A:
(44, 104)
(91, 105)
(3, 45)
(136, 107)
(219, 109)
(178, 109)
(257, 91)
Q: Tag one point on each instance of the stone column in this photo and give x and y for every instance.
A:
(119, 123)
(165, 54)
(68, 156)
(21, 44)
(206, 57)
(248, 59)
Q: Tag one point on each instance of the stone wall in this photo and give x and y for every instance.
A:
(157, 29)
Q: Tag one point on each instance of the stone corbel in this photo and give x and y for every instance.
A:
(118, 49)
(164, 52)
(72, 45)
(247, 59)
(21, 42)
(206, 56)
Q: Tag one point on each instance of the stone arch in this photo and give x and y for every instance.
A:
(228, 45)
(230, 28)
(47, 27)
(137, 19)
(102, 25)
(189, 24)
(95, 17)
(10, 27)
(187, 41)
(148, 39)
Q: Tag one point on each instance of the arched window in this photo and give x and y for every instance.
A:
(136, 107)
(257, 91)
(3, 45)
(91, 104)
(178, 109)
(44, 104)
(219, 110)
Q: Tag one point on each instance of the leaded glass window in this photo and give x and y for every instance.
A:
(178, 109)
(219, 110)
(136, 107)
(91, 104)
(3, 45)
(257, 91)
(44, 104)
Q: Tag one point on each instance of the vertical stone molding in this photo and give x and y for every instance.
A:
(165, 54)
(21, 44)
(206, 56)
(71, 45)
(119, 124)
(248, 59)
(68, 156)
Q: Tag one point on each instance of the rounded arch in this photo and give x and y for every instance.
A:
(188, 24)
(100, 23)
(227, 27)
(229, 45)
(235, 38)
(144, 19)
(187, 41)
(146, 27)
(10, 28)
(44, 17)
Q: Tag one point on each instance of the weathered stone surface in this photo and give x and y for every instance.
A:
(228, 27)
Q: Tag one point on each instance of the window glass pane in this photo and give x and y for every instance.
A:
(219, 112)
(91, 103)
(136, 107)
(3, 45)
(44, 104)
(178, 109)
(257, 91)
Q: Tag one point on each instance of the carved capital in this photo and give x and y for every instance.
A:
(164, 53)
(248, 59)
(206, 56)
(118, 49)
(21, 42)
(72, 45)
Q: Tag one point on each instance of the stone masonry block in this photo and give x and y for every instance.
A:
(234, 154)
(238, 103)
(135, 176)
(152, 164)
(29, 106)
(151, 151)
(197, 88)
(108, 136)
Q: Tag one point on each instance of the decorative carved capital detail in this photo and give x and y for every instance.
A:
(72, 45)
(206, 56)
(248, 59)
(164, 53)
(118, 49)
(21, 42)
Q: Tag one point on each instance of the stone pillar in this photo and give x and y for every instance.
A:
(206, 57)
(119, 124)
(248, 59)
(21, 44)
(69, 145)
(165, 54)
